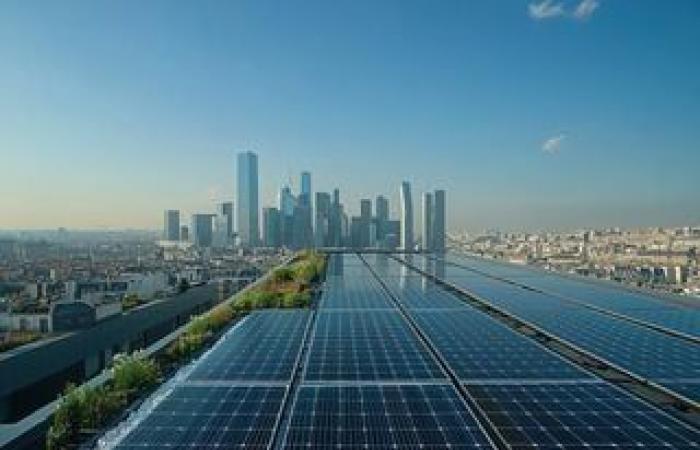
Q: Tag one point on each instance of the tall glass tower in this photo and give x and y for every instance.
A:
(428, 216)
(406, 217)
(439, 221)
(247, 205)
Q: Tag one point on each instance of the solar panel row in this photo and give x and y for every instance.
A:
(673, 315)
(649, 354)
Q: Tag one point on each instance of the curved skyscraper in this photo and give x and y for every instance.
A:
(406, 217)
(247, 204)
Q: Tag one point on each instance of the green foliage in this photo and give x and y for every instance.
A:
(131, 301)
(134, 373)
(283, 274)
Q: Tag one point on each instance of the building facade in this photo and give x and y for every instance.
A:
(406, 217)
(247, 209)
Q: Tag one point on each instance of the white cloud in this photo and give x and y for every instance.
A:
(545, 9)
(552, 145)
(585, 9)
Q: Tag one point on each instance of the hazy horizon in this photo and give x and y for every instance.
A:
(530, 117)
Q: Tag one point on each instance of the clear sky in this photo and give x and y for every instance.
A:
(532, 114)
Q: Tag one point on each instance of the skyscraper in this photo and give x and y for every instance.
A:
(171, 225)
(225, 210)
(323, 214)
(428, 213)
(439, 221)
(335, 225)
(305, 194)
(287, 203)
(406, 217)
(382, 215)
(303, 215)
(365, 222)
(247, 201)
(202, 232)
(271, 227)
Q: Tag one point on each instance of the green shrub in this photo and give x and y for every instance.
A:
(134, 373)
(283, 274)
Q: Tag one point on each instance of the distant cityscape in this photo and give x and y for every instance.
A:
(663, 259)
(307, 219)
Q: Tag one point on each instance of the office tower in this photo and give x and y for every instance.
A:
(392, 236)
(305, 194)
(202, 232)
(406, 217)
(322, 222)
(184, 233)
(356, 232)
(428, 213)
(365, 222)
(439, 221)
(286, 204)
(225, 210)
(335, 221)
(171, 225)
(382, 216)
(247, 201)
(271, 227)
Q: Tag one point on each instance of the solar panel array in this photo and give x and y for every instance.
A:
(665, 359)
(382, 417)
(264, 348)
(372, 364)
(232, 417)
(674, 315)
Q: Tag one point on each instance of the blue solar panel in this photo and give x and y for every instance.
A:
(382, 417)
(664, 312)
(367, 345)
(264, 347)
(421, 293)
(580, 416)
(356, 293)
(479, 348)
(210, 417)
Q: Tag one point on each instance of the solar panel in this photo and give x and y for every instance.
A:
(382, 417)
(356, 293)
(479, 348)
(210, 417)
(367, 345)
(421, 293)
(264, 347)
(592, 415)
(667, 313)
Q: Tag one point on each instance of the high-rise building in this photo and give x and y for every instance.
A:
(406, 217)
(365, 222)
(428, 214)
(382, 216)
(247, 202)
(271, 227)
(305, 194)
(184, 233)
(202, 231)
(171, 225)
(286, 203)
(335, 225)
(439, 221)
(322, 222)
(225, 210)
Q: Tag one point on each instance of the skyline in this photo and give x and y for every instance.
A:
(530, 115)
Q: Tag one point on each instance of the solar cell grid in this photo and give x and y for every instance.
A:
(421, 293)
(382, 417)
(357, 293)
(210, 417)
(479, 348)
(579, 416)
(264, 347)
(649, 308)
(366, 345)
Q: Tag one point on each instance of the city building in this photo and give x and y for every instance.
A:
(171, 225)
(202, 230)
(271, 227)
(406, 217)
(322, 220)
(439, 220)
(225, 210)
(247, 200)
(382, 216)
(184, 233)
(428, 213)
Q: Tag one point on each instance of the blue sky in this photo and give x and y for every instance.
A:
(530, 114)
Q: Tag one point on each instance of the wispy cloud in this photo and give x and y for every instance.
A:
(585, 9)
(549, 9)
(546, 9)
(552, 146)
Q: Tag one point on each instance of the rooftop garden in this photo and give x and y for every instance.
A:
(83, 411)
